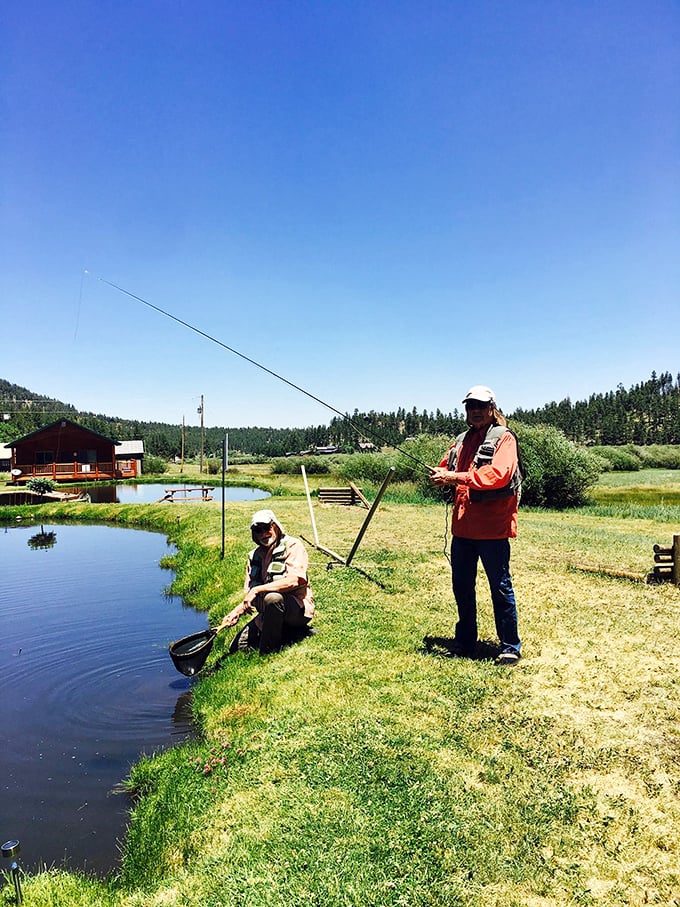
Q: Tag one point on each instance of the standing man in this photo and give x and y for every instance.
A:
(276, 588)
(482, 469)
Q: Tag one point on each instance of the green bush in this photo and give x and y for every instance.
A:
(41, 486)
(291, 465)
(660, 456)
(428, 450)
(369, 467)
(620, 459)
(155, 465)
(238, 458)
(214, 466)
(558, 474)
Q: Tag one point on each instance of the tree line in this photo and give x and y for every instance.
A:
(647, 413)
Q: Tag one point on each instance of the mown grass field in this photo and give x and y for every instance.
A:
(364, 767)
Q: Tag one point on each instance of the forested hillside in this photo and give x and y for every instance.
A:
(647, 413)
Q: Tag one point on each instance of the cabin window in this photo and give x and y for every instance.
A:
(44, 457)
(87, 456)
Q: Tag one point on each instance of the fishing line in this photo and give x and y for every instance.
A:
(361, 430)
(80, 302)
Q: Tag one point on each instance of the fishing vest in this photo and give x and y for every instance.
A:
(276, 568)
(483, 457)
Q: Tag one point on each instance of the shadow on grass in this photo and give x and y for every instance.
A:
(291, 638)
(446, 647)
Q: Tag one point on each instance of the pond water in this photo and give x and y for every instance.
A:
(88, 684)
(150, 494)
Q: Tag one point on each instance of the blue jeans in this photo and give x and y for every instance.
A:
(495, 557)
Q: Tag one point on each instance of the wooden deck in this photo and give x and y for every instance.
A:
(76, 472)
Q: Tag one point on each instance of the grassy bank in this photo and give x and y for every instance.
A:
(365, 767)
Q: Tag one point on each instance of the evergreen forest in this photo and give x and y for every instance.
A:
(646, 413)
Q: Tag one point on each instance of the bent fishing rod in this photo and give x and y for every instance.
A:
(359, 429)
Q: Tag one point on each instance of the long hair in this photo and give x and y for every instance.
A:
(498, 417)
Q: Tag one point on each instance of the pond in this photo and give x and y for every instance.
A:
(88, 684)
(150, 494)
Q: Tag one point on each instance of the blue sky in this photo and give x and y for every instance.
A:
(385, 202)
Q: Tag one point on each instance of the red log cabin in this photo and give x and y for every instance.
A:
(67, 452)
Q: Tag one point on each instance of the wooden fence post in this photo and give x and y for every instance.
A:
(675, 569)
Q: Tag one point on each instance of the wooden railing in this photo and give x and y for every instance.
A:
(62, 471)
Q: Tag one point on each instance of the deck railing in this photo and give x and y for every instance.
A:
(81, 471)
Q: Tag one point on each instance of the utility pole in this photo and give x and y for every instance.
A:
(200, 461)
(181, 468)
(225, 457)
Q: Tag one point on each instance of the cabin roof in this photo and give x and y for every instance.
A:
(129, 448)
(64, 423)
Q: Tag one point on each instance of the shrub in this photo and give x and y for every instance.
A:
(41, 486)
(291, 465)
(429, 450)
(369, 467)
(558, 474)
(155, 465)
(661, 456)
(238, 458)
(620, 459)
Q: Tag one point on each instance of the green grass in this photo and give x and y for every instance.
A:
(364, 768)
(648, 494)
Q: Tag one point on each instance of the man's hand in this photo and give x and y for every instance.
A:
(441, 477)
(229, 620)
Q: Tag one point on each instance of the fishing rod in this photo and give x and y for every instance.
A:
(361, 430)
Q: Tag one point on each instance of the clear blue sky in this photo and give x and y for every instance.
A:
(385, 202)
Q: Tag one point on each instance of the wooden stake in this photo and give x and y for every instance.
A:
(369, 515)
(619, 574)
(311, 511)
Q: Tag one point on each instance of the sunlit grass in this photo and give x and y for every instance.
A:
(364, 767)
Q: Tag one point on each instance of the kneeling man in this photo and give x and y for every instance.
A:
(276, 588)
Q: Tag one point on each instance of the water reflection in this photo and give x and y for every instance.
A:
(42, 540)
(87, 684)
(154, 493)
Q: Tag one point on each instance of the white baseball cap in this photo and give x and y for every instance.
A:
(481, 393)
(265, 516)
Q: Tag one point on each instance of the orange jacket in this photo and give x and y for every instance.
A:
(484, 519)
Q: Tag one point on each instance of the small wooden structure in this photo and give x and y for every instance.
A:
(346, 497)
(182, 495)
(67, 452)
(666, 567)
(346, 561)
